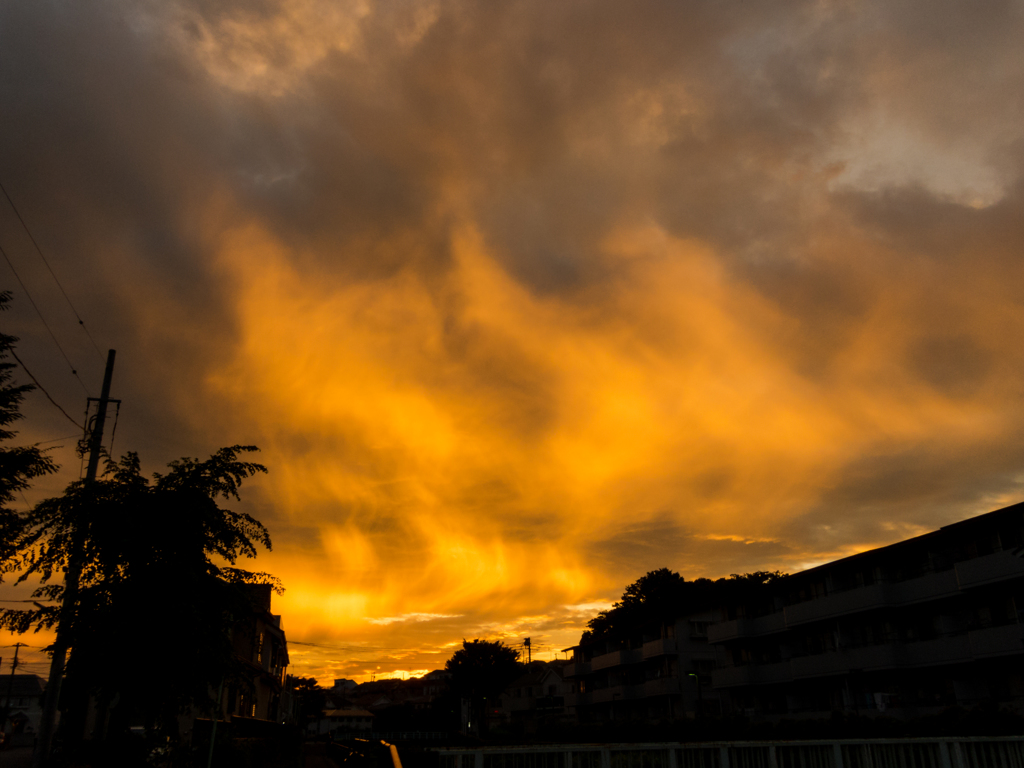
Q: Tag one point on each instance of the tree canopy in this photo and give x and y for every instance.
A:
(310, 697)
(663, 594)
(19, 465)
(159, 583)
(481, 670)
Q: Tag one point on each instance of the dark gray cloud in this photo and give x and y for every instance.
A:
(574, 290)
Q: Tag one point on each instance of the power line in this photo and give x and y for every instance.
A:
(52, 273)
(43, 389)
(43, 320)
(55, 440)
(349, 648)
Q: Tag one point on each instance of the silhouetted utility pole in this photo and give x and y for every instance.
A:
(10, 686)
(71, 576)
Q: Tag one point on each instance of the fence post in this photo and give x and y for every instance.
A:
(672, 761)
(837, 755)
(606, 758)
(772, 758)
(724, 757)
(958, 755)
(944, 755)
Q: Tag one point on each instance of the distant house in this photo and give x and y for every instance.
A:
(535, 699)
(436, 682)
(26, 705)
(344, 721)
(421, 692)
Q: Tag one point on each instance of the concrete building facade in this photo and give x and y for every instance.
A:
(661, 671)
(906, 630)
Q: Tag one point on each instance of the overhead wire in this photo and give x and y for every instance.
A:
(113, 432)
(43, 320)
(53, 274)
(55, 440)
(43, 389)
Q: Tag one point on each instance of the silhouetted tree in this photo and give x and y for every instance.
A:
(663, 594)
(19, 465)
(150, 632)
(480, 671)
(310, 699)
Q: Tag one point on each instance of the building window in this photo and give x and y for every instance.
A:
(699, 628)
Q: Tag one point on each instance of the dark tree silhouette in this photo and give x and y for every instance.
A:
(150, 631)
(480, 671)
(663, 594)
(18, 465)
(310, 698)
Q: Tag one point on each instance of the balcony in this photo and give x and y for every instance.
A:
(762, 625)
(837, 604)
(617, 693)
(988, 569)
(665, 646)
(577, 699)
(929, 587)
(731, 677)
(577, 669)
(944, 650)
(870, 657)
(766, 625)
(616, 659)
(778, 672)
(995, 641)
(727, 630)
(663, 686)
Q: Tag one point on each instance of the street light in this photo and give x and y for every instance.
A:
(700, 693)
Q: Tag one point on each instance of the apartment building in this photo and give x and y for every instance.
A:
(905, 630)
(259, 644)
(660, 671)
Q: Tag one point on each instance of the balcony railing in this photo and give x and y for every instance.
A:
(988, 569)
(944, 752)
(616, 659)
(662, 686)
(996, 641)
(665, 646)
(577, 669)
(982, 643)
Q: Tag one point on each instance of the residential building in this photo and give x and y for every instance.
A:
(260, 645)
(658, 671)
(344, 721)
(905, 630)
(26, 700)
(535, 699)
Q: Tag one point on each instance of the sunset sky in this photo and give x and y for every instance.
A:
(521, 300)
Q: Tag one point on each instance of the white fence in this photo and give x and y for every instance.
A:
(982, 752)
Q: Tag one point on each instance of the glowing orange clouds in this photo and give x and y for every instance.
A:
(444, 495)
(524, 300)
